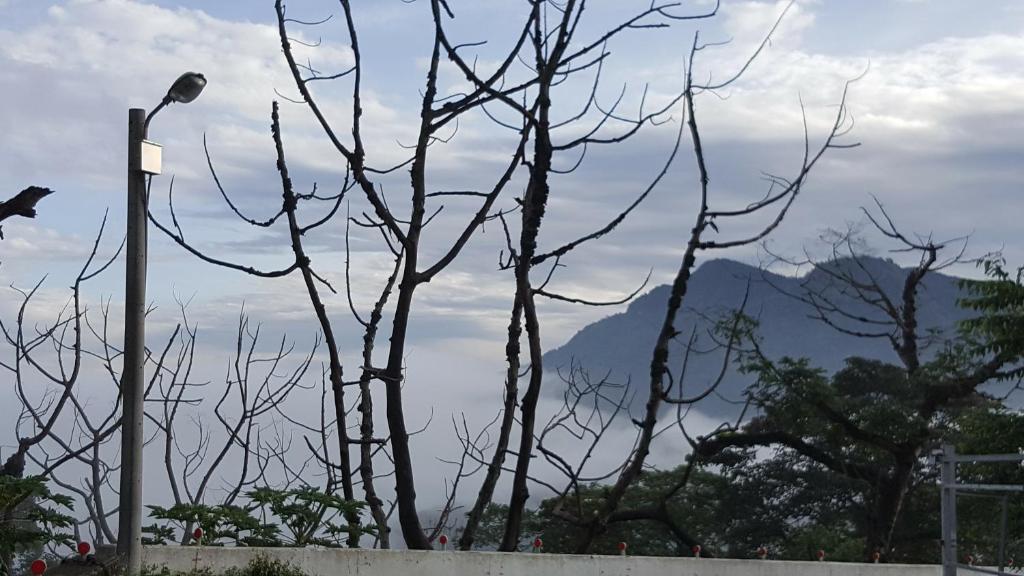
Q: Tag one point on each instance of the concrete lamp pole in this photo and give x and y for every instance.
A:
(144, 158)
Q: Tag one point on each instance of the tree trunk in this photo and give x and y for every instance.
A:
(494, 468)
(534, 204)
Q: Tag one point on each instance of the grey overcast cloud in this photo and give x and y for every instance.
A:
(938, 110)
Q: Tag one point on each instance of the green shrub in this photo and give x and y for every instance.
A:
(258, 566)
(295, 517)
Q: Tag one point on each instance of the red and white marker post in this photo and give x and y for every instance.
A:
(821, 555)
(696, 550)
(876, 556)
(762, 553)
(538, 545)
(622, 548)
(443, 540)
(197, 535)
(83, 549)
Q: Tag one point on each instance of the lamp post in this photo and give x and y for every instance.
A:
(144, 158)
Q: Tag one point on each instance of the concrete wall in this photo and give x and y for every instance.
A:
(408, 563)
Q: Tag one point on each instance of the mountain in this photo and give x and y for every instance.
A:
(621, 345)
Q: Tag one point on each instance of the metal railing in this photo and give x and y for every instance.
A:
(948, 459)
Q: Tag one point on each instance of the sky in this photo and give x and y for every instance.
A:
(939, 112)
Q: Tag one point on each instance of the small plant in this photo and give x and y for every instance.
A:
(308, 516)
(219, 525)
(264, 566)
(165, 571)
(258, 566)
(297, 517)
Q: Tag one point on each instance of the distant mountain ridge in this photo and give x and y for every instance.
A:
(622, 343)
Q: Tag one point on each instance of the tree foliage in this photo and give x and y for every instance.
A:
(273, 518)
(794, 506)
(998, 328)
(31, 518)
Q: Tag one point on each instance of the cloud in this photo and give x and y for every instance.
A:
(73, 75)
(747, 23)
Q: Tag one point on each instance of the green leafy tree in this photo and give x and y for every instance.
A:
(848, 469)
(997, 330)
(31, 517)
(791, 504)
(862, 431)
(874, 423)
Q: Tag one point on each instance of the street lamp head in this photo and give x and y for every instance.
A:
(186, 88)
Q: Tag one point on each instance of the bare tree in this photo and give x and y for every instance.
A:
(84, 447)
(46, 360)
(205, 465)
(548, 55)
(64, 336)
(780, 197)
(403, 236)
(550, 50)
(556, 53)
(66, 430)
(255, 387)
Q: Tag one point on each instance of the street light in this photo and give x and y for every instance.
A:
(144, 158)
(185, 89)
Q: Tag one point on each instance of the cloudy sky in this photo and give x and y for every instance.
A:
(939, 114)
